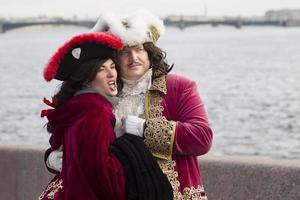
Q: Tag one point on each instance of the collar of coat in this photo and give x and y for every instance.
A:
(159, 84)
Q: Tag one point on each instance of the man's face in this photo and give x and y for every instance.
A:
(134, 62)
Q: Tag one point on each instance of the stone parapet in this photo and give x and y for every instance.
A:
(23, 176)
(250, 178)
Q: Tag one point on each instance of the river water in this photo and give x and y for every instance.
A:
(248, 79)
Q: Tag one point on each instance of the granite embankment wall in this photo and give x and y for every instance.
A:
(23, 176)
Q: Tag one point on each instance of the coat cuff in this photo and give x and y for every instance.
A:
(159, 137)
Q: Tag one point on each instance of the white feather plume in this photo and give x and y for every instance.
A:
(136, 29)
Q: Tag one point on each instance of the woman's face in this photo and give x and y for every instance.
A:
(106, 78)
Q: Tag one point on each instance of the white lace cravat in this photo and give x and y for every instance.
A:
(132, 99)
(135, 87)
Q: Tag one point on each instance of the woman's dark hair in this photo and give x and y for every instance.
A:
(78, 79)
(157, 58)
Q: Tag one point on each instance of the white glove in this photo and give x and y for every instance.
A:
(118, 128)
(54, 160)
(133, 125)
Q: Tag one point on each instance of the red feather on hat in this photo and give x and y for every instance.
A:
(101, 38)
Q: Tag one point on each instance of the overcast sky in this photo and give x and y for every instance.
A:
(92, 8)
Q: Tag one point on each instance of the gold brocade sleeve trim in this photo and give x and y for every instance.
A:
(159, 137)
(159, 132)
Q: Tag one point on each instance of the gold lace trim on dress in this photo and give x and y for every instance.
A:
(54, 187)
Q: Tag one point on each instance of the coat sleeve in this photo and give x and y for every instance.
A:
(193, 135)
(185, 129)
(95, 172)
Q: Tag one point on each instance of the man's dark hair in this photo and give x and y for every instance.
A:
(157, 58)
(158, 62)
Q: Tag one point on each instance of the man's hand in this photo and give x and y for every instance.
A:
(54, 160)
(133, 125)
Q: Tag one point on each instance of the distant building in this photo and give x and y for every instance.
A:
(283, 15)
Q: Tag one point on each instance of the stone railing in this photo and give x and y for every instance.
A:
(23, 176)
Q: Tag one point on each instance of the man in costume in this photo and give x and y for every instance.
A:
(165, 109)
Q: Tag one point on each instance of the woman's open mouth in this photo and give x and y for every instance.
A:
(112, 85)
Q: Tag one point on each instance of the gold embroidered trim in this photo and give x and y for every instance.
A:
(168, 168)
(194, 193)
(159, 84)
(54, 187)
(159, 132)
(153, 108)
(159, 137)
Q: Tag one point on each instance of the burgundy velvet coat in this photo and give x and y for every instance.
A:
(191, 135)
(83, 125)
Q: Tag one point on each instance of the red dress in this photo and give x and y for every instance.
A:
(84, 126)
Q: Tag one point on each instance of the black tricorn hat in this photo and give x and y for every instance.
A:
(79, 49)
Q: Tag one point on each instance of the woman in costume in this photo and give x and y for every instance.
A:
(81, 121)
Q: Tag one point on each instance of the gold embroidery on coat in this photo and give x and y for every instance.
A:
(54, 187)
(168, 168)
(159, 84)
(159, 133)
(194, 193)
(159, 137)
